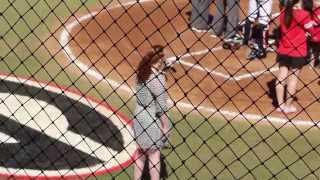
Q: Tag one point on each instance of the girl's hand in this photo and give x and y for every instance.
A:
(165, 125)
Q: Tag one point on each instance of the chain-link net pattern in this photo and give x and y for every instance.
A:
(69, 90)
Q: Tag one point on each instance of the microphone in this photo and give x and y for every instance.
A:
(169, 66)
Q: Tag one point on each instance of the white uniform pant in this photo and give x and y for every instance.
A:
(260, 10)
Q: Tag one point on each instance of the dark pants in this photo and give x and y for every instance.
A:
(226, 18)
(200, 14)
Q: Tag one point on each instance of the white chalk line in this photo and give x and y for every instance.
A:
(64, 41)
(255, 74)
(180, 60)
(216, 73)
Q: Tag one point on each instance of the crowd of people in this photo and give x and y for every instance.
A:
(299, 26)
(226, 23)
(252, 31)
(295, 37)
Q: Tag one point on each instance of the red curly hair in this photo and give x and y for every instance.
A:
(151, 58)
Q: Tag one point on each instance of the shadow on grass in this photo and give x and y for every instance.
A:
(163, 170)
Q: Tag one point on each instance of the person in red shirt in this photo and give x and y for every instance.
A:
(316, 18)
(314, 45)
(295, 22)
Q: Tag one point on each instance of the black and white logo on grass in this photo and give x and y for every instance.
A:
(45, 131)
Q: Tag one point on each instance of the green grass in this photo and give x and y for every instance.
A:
(202, 147)
(207, 148)
(25, 27)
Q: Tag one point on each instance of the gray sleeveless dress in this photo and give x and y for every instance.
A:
(151, 104)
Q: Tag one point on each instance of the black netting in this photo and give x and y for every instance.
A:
(83, 93)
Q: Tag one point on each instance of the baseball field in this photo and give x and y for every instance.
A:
(222, 106)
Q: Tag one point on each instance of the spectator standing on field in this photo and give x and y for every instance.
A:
(226, 19)
(295, 22)
(315, 46)
(200, 15)
(256, 27)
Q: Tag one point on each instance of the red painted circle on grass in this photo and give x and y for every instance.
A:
(35, 92)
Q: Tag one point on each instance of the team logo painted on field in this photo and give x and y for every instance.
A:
(48, 132)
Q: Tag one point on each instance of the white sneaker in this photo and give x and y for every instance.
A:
(271, 41)
(286, 109)
(281, 108)
(270, 49)
(200, 30)
(290, 109)
(213, 36)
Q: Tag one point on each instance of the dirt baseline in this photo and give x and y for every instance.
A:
(114, 41)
